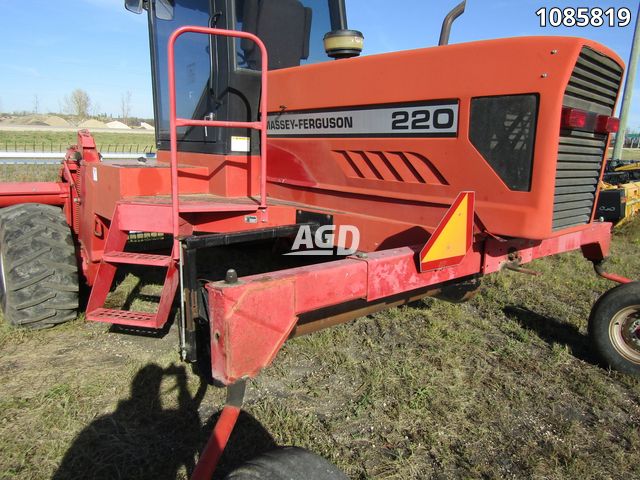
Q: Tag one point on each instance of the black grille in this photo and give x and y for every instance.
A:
(503, 130)
(593, 87)
(594, 83)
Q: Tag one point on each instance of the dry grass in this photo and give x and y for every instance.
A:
(49, 173)
(502, 387)
(29, 173)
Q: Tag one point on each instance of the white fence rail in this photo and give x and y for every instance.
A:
(31, 158)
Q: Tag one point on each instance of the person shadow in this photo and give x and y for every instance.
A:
(143, 440)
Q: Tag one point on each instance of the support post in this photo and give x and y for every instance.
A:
(222, 431)
(632, 69)
(192, 304)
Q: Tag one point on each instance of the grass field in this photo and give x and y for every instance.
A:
(504, 386)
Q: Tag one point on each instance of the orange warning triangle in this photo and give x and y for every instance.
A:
(452, 239)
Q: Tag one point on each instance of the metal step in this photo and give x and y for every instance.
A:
(131, 258)
(204, 207)
(122, 317)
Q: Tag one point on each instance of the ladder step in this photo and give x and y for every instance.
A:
(202, 207)
(138, 259)
(122, 317)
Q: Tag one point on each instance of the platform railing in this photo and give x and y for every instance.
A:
(175, 121)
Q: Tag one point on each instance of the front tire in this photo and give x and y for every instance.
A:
(286, 464)
(38, 267)
(614, 328)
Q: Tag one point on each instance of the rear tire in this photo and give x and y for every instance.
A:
(614, 328)
(286, 464)
(38, 267)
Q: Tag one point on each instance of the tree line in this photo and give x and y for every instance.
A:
(79, 104)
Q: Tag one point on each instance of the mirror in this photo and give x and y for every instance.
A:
(164, 9)
(134, 6)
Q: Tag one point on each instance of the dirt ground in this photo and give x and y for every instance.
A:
(504, 386)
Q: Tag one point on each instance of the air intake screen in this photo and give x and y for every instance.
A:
(593, 87)
(503, 130)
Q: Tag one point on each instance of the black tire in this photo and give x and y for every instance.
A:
(288, 463)
(614, 328)
(38, 267)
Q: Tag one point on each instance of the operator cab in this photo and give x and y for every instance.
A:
(218, 78)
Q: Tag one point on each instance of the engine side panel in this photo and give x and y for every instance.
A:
(377, 175)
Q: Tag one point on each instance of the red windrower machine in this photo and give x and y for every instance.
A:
(435, 203)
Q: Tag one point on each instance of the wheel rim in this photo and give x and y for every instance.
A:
(624, 332)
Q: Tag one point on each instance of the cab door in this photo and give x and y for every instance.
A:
(196, 84)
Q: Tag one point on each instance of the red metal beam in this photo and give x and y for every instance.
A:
(217, 442)
(50, 193)
(252, 318)
(594, 241)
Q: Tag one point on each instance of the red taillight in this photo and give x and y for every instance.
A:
(607, 124)
(574, 118)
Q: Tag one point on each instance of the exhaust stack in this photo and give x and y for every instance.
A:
(448, 22)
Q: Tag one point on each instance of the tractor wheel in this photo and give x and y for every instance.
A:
(38, 267)
(614, 328)
(286, 464)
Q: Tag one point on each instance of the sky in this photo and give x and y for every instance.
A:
(49, 48)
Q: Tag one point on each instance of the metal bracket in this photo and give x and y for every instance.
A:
(235, 394)
(514, 264)
(597, 266)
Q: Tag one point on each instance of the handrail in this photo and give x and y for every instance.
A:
(175, 122)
